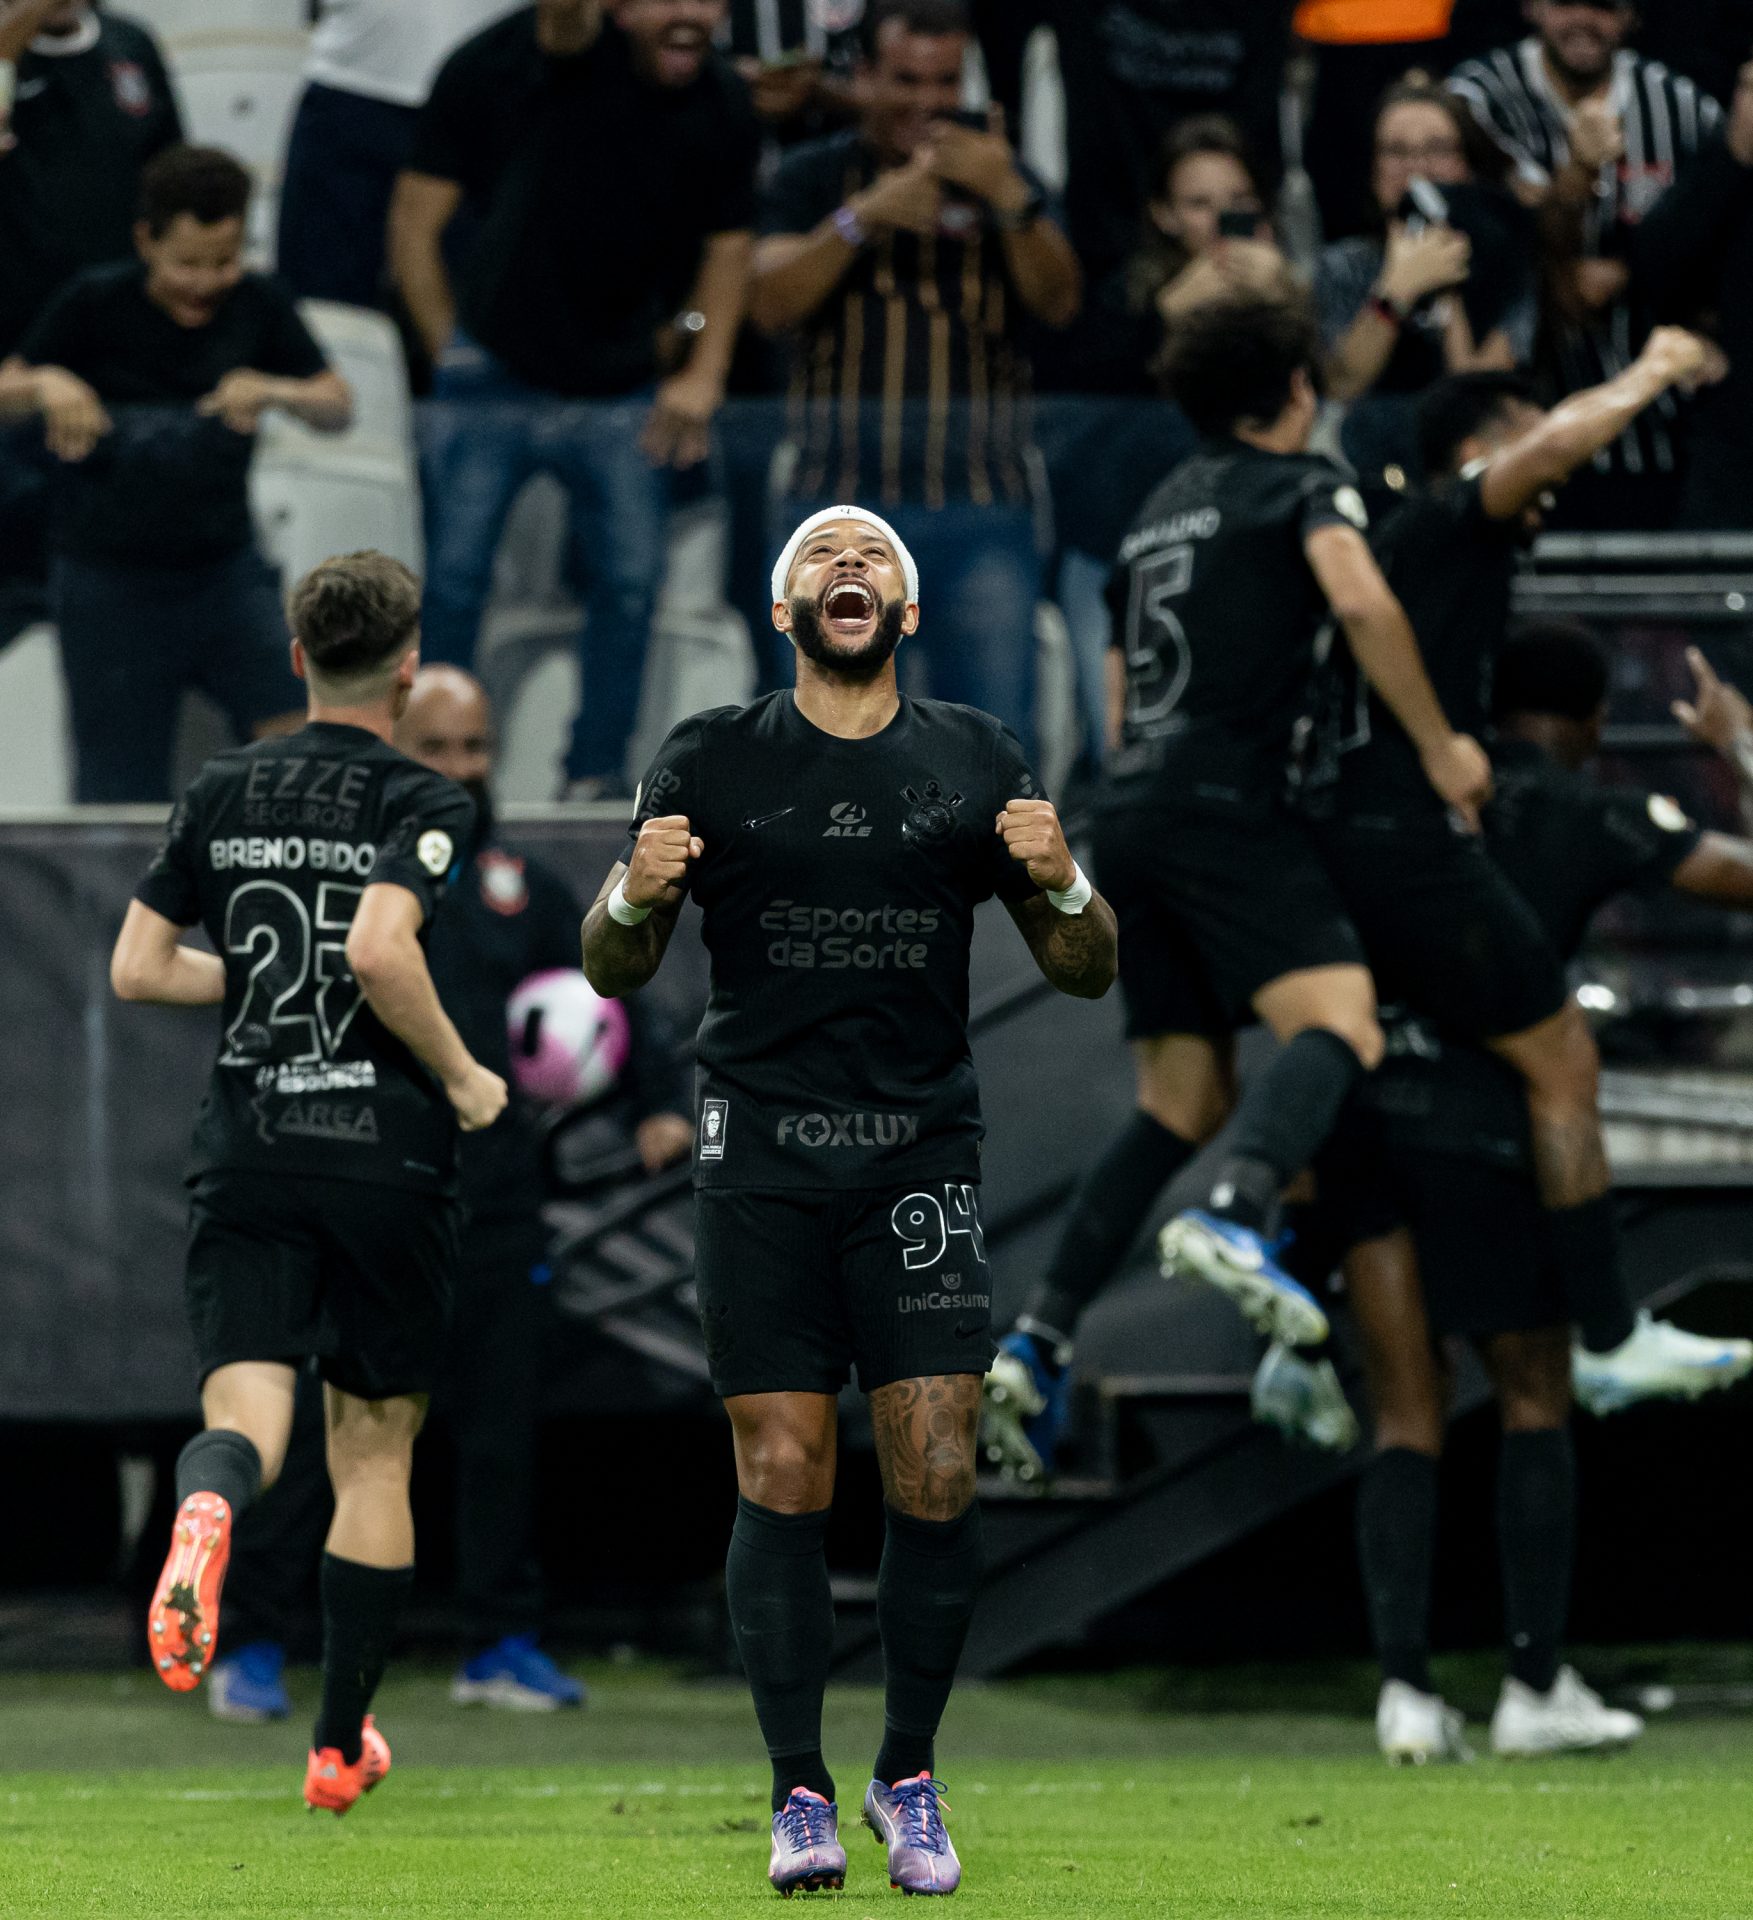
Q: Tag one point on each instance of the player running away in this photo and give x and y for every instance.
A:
(323, 1219)
(837, 839)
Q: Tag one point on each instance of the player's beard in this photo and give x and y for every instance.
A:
(860, 665)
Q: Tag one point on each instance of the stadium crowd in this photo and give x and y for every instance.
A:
(821, 271)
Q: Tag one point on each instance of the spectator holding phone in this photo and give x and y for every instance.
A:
(1596, 134)
(903, 256)
(1444, 285)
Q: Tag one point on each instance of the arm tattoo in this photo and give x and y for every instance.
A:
(1078, 952)
(925, 1443)
(620, 959)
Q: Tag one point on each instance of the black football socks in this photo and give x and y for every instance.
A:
(1396, 1541)
(222, 1462)
(1536, 1540)
(782, 1613)
(361, 1606)
(1584, 1244)
(1281, 1120)
(1111, 1204)
(926, 1588)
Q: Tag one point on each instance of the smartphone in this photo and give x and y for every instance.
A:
(973, 118)
(1237, 223)
(1425, 205)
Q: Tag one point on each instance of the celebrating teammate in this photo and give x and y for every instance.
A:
(1445, 931)
(325, 1154)
(1451, 1165)
(1224, 585)
(837, 839)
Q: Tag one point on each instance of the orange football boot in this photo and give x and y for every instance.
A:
(183, 1625)
(331, 1786)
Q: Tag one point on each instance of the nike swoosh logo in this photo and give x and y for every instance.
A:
(767, 819)
(29, 89)
(967, 1332)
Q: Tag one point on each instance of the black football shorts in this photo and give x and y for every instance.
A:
(362, 1276)
(799, 1287)
(1445, 930)
(1482, 1240)
(1214, 904)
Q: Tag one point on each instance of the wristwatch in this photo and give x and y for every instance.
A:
(850, 228)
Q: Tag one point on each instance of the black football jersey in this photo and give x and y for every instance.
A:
(1453, 568)
(838, 888)
(1570, 843)
(269, 851)
(1220, 616)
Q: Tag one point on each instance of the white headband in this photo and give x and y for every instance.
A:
(782, 567)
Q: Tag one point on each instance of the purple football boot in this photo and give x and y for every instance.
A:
(807, 1853)
(906, 1819)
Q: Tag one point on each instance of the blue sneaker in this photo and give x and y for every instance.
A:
(907, 1820)
(1239, 1262)
(1024, 1405)
(246, 1686)
(807, 1854)
(518, 1674)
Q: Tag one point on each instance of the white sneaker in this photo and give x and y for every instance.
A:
(1659, 1361)
(1418, 1729)
(1303, 1400)
(1570, 1718)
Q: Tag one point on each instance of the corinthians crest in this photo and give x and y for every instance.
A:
(931, 816)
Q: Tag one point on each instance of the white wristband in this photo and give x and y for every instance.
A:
(622, 910)
(1077, 896)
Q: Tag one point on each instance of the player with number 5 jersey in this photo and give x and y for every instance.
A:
(1235, 566)
(323, 1220)
(837, 839)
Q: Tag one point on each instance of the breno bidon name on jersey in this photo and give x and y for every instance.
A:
(828, 937)
(290, 852)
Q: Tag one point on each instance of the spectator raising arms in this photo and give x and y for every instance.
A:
(904, 253)
(151, 380)
(612, 156)
(1597, 134)
(371, 67)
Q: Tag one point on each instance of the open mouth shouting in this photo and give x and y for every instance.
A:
(681, 53)
(849, 608)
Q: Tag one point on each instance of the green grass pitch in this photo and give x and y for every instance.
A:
(1070, 1797)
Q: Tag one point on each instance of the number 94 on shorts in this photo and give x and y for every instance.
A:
(800, 1288)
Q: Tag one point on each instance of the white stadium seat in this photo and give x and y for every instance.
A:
(183, 20)
(308, 510)
(240, 93)
(366, 350)
(316, 494)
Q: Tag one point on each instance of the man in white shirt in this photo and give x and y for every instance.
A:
(371, 67)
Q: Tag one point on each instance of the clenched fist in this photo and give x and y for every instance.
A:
(657, 875)
(1033, 837)
(1460, 771)
(478, 1097)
